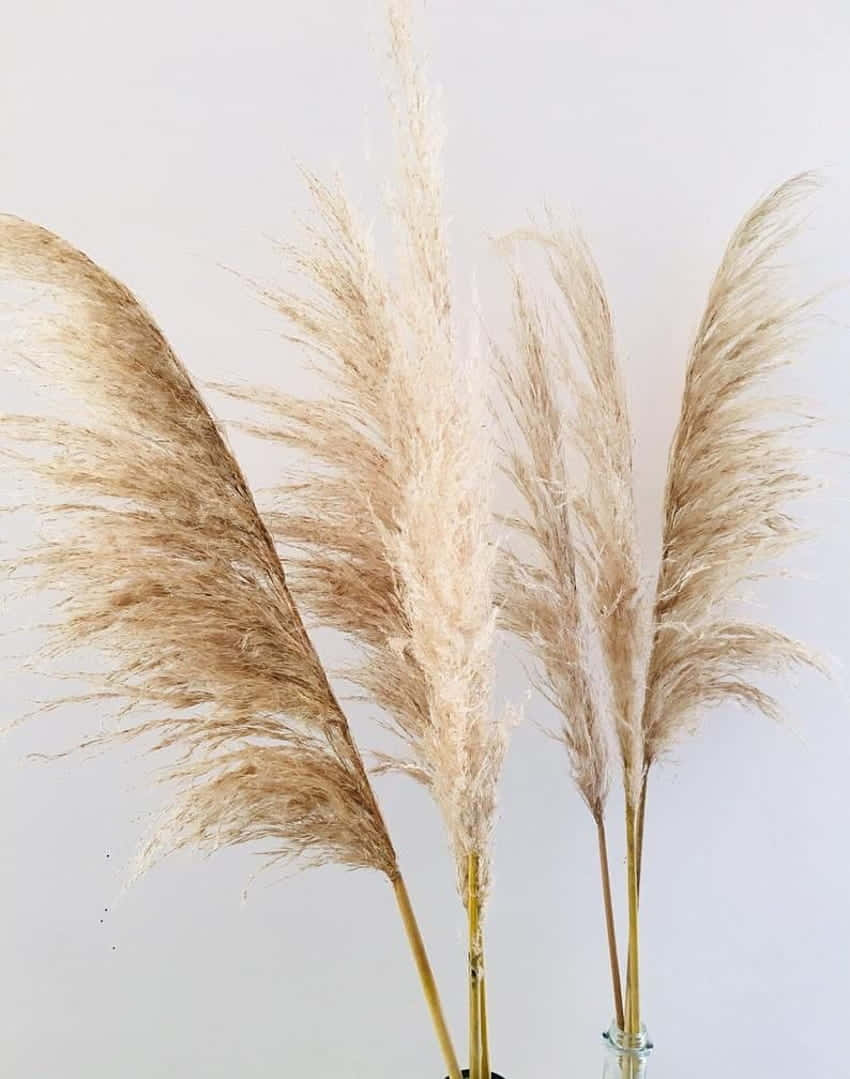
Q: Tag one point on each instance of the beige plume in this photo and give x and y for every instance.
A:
(734, 471)
(152, 539)
(572, 584)
(542, 598)
(388, 525)
(152, 536)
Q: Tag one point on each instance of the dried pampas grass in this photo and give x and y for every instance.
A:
(162, 563)
(734, 471)
(153, 541)
(152, 537)
(571, 585)
(388, 524)
(574, 592)
(572, 467)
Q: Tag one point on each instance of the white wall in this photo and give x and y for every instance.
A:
(163, 138)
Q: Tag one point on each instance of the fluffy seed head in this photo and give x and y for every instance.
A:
(151, 539)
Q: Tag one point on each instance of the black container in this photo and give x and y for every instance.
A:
(465, 1074)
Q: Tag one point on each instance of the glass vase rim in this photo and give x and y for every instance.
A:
(637, 1045)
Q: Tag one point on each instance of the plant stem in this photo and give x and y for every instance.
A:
(641, 822)
(633, 968)
(340, 737)
(485, 1036)
(473, 901)
(610, 926)
(426, 975)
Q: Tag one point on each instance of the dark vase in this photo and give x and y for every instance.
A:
(493, 1075)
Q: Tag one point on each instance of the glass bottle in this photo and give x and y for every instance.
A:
(626, 1055)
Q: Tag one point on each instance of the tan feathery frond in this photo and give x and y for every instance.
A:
(151, 537)
(541, 598)
(734, 469)
(571, 586)
(601, 432)
(388, 525)
(575, 477)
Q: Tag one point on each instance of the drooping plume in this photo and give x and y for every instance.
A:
(734, 471)
(389, 524)
(150, 535)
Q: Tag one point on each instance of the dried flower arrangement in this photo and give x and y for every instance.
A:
(163, 562)
(621, 668)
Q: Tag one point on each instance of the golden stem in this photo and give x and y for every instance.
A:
(641, 822)
(473, 900)
(633, 969)
(426, 975)
(610, 927)
(640, 825)
(485, 1036)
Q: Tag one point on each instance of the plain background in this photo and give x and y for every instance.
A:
(163, 139)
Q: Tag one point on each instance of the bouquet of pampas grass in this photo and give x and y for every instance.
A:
(153, 540)
(388, 521)
(631, 671)
(160, 558)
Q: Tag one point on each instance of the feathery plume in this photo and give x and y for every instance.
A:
(605, 509)
(153, 540)
(734, 469)
(575, 478)
(388, 526)
(575, 597)
(541, 599)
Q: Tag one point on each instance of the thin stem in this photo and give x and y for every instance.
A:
(610, 926)
(639, 832)
(641, 822)
(473, 901)
(340, 736)
(633, 969)
(342, 741)
(426, 975)
(485, 1036)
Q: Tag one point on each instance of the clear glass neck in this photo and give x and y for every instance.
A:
(626, 1055)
